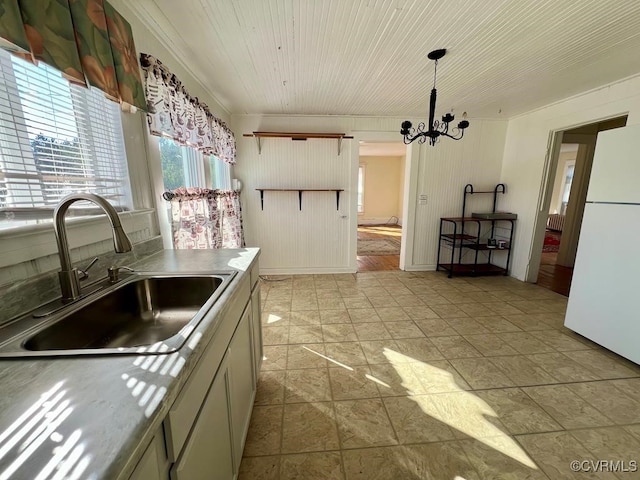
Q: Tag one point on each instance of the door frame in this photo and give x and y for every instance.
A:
(408, 208)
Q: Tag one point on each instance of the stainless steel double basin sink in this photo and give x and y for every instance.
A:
(142, 314)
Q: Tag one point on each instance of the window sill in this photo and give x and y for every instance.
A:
(28, 242)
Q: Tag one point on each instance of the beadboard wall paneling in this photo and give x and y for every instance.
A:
(318, 238)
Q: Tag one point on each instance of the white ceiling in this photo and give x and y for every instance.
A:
(369, 57)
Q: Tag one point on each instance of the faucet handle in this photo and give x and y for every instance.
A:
(83, 274)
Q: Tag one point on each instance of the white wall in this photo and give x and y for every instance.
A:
(319, 239)
(525, 154)
(382, 185)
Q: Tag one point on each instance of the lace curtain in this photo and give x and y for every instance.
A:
(174, 113)
(204, 218)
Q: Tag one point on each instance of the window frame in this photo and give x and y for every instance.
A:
(360, 193)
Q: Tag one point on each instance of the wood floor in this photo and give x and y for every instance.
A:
(374, 263)
(554, 277)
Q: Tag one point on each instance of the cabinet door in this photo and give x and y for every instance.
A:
(153, 465)
(256, 321)
(241, 382)
(207, 454)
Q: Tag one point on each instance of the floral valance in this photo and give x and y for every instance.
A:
(87, 40)
(173, 113)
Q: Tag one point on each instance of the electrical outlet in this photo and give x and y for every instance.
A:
(422, 199)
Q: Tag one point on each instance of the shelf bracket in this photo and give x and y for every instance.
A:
(259, 143)
(261, 199)
(337, 199)
(339, 145)
(300, 200)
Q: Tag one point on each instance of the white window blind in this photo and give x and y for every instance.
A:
(55, 139)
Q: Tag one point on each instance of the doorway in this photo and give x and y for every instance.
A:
(567, 194)
(381, 174)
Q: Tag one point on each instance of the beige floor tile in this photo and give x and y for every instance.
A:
(603, 365)
(481, 373)
(352, 383)
(501, 458)
(265, 431)
(611, 401)
(525, 342)
(334, 316)
(307, 385)
(348, 354)
(274, 357)
(275, 335)
(555, 451)
(610, 443)
(312, 466)
(522, 371)
(439, 376)
(403, 329)
(375, 291)
(490, 345)
(526, 322)
(356, 302)
(466, 326)
(412, 421)
(309, 427)
(276, 319)
(306, 356)
(304, 317)
(476, 309)
(566, 407)
(560, 341)
(630, 386)
(633, 430)
(328, 300)
(416, 350)
(467, 414)
(497, 324)
(339, 332)
(391, 314)
(397, 290)
(435, 327)
(363, 315)
(371, 331)
(379, 351)
(455, 347)
(270, 388)
(397, 380)
(449, 311)
(420, 312)
(517, 411)
(277, 305)
(379, 301)
(503, 308)
(431, 299)
(364, 423)
(260, 468)
(382, 463)
(530, 306)
(435, 461)
(305, 334)
(408, 300)
(562, 367)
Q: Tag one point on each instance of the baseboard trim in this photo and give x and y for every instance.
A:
(420, 268)
(306, 270)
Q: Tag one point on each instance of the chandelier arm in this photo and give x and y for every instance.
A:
(455, 135)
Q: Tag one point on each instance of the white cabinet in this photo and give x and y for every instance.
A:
(242, 383)
(256, 329)
(207, 454)
(153, 465)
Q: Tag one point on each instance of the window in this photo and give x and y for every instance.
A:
(55, 139)
(361, 189)
(186, 167)
(568, 180)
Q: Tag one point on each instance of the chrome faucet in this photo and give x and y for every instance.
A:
(69, 276)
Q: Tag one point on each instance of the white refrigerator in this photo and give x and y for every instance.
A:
(604, 301)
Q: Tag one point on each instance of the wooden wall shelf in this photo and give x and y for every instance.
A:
(300, 190)
(300, 136)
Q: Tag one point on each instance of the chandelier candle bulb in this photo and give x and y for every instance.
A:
(435, 128)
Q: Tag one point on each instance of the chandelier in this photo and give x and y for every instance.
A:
(435, 128)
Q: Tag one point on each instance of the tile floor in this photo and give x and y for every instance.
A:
(397, 375)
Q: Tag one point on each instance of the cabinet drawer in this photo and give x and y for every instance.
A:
(184, 410)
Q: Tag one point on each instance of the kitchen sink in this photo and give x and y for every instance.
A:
(145, 313)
